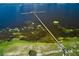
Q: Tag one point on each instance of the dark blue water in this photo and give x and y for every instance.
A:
(68, 14)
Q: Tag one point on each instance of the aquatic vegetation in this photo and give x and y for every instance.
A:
(35, 31)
